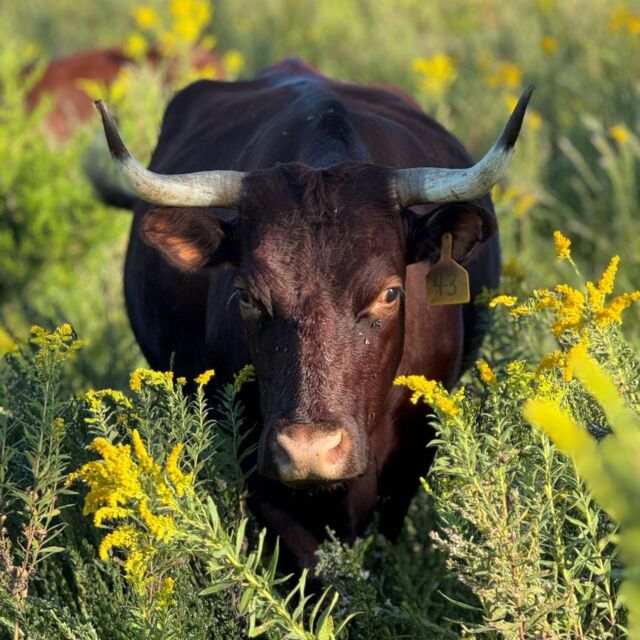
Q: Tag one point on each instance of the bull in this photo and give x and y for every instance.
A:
(71, 105)
(289, 221)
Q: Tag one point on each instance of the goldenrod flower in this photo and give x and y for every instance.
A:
(437, 73)
(577, 351)
(607, 280)
(120, 488)
(535, 120)
(124, 536)
(611, 313)
(246, 374)
(151, 378)
(563, 246)
(570, 308)
(136, 46)
(623, 19)
(619, 133)
(233, 62)
(431, 392)
(112, 481)
(503, 301)
(507, 74)
(137, 564)
(548, 44)
(161, 527)
(204, 377)
(178, 479)
(189, 19)
(144, 459)
(110, 513)
(555, 359)
(163, 599)
(95, 399)
(486, 372)
(146, 17)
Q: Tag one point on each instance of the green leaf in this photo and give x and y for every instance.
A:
(240, 536)
(260, 629)
(245, 600)
(216, 588)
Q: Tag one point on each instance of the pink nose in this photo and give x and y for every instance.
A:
(307, 452)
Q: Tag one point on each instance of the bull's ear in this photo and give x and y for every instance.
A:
(191, 239)
(470, 223)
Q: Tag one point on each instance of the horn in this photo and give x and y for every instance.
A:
(432, 184)
(200, 189)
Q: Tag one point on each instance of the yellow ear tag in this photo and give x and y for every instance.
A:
(447, 282)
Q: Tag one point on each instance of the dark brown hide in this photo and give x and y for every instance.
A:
(304, 281)
(61, 82)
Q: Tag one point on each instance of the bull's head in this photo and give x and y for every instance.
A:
(321, 257)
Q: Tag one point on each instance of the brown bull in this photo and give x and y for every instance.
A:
(61, 82)
(297, 237)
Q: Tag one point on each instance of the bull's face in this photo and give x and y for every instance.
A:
(321, 257)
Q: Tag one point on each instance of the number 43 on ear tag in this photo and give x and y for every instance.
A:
(447, 282)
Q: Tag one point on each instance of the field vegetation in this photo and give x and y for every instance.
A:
(122, 500)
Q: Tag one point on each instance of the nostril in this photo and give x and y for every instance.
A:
(304, 452)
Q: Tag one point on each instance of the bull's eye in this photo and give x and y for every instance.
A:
(245, 300)
(392, 294)
(387, 300)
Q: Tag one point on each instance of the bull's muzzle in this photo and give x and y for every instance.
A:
(300, 455)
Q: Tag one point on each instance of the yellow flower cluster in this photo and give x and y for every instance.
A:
(563, 246)
(179, 480)
(188, 21)
(437, 73)
(164, 600)
(619, 133)
(564, 360)
(95, 399)
(113, 481)
(161, 527)
(122, 488)
(204, 377)
(233, 62)
(141, 377)
(505, 74)
(190, 17)
(573, 309)
(146, 17)
(136, 46)
(432, 393)
(548, 44)
(516, 199)
(486, 372)
(622, 19)
(62, 341)
(503, 301)
(246, 374)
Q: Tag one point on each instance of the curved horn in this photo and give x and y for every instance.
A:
(200, 189)
(432, 184)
